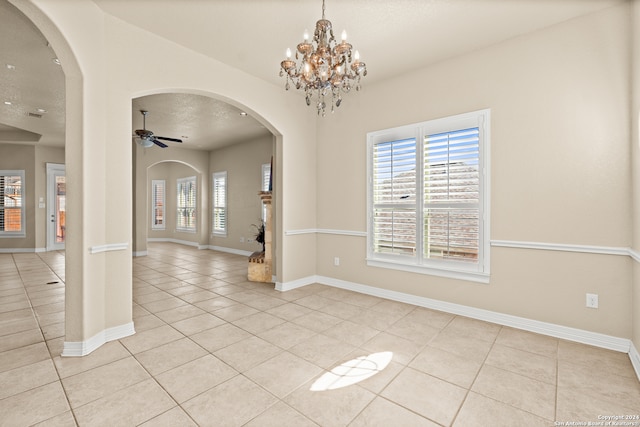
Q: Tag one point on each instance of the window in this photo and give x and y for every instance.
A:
(186, 203)
(157, 204)
(266, 177)
(220, 203)
(428, 197)
(12, 215)
(266, 184)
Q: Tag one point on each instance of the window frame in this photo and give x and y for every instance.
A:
(23, 216)
(216, 206)
(154, 204)
(478, 271)
(265, 173)
(179, 182)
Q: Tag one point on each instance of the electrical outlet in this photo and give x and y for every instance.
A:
(592, 300)
(336, 261)
(242, 240)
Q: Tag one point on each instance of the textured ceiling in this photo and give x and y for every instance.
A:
(202, 123)
(393, 37)
(35, 83)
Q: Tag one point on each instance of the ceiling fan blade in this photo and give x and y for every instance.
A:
(168, 139)
(159, 144)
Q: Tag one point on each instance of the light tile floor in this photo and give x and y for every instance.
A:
(214, 349)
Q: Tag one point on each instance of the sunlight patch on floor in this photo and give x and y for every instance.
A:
(353, 371)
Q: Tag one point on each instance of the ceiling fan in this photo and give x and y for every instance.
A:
(146, 138)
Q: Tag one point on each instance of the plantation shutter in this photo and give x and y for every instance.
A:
(452, 195)
(186, 190)
(158, 204)
(11, 205)
(220, 202)
(266, 176)
(2, 202)
(394, 196)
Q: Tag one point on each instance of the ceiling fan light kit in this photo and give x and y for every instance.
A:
(326, 68)
(146, 143)
(146, 138)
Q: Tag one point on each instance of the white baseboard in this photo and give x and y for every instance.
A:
(635, 359)
(230, 250)
(197, 245)
(140, 253)
(544, 328)
(298, 283)
(82, 348)
(21, 250)
(178, 241)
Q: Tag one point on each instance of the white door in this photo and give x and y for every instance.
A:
(56, 206)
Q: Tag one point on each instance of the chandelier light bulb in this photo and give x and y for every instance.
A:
(357, 56)
(344, 35)
(288, 53)
(305, 36)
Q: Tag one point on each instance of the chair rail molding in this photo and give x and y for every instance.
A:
(563, 247)
(108, 248)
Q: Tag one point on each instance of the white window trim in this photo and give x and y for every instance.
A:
(23, 216)
(178, 182)
(266, 177)
(214, 177)
(477, 272)
(154, 183)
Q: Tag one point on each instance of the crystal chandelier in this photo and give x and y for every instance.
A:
(326, 68)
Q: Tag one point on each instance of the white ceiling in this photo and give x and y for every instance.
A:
(393, 37)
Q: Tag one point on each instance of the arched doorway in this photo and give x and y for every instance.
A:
(217, 138)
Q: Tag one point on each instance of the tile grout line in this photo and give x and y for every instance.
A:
(51, 357)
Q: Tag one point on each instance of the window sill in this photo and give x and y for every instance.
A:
(13, 235)
(472, 276)
(178, 230)
(219, 234)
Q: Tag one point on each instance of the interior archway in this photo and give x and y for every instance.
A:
(73, 153)
(216, 137)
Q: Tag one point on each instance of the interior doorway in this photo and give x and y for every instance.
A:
(56, 206)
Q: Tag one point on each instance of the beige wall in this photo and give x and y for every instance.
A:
(560, 164)
(33, 160)
(243, 163)
(22, 157)
(172, 171)
(560, 173)
(96, 52)
(170, 164)
(635, 163)
(43, 155)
